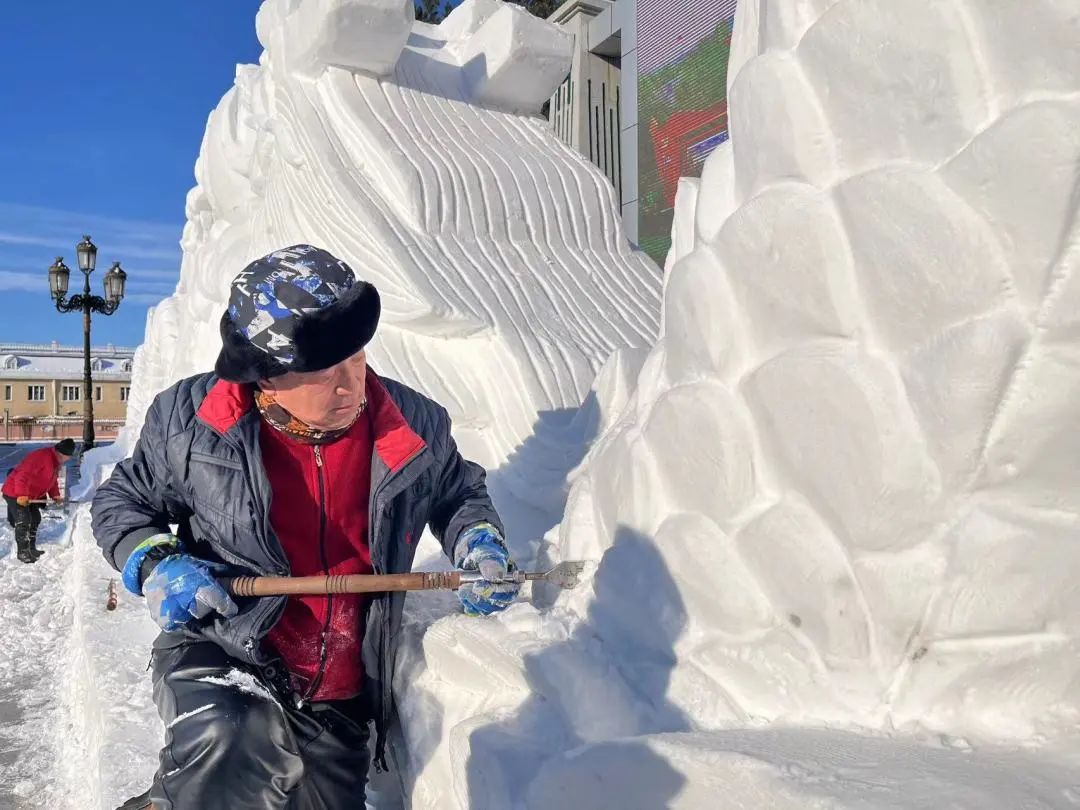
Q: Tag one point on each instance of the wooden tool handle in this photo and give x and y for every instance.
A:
(354, 583)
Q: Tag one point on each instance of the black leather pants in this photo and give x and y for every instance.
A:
(25, 519)
(231, 743)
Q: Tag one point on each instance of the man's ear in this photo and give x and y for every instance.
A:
(267, 386)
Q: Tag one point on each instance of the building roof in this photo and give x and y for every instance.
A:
(34, 361)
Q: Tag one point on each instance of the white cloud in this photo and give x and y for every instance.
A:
(24, 282)
(138, 289)
(31, 226)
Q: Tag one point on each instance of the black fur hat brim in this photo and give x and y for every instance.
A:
(321, 339)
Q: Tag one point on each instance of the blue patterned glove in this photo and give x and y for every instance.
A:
(181, 589)
(481, 548)
(145, 556)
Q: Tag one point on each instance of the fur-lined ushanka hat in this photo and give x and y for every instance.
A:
(297, 309)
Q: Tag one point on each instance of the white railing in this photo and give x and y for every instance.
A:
(51, 428)
(50, 348)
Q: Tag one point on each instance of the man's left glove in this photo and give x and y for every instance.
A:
(481, 548)
(179, 588)
(182, 589)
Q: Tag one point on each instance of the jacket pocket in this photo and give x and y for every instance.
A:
(206, 458)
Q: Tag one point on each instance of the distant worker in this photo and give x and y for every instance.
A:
(25, 490)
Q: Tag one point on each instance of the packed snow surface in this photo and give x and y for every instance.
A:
(828, 488)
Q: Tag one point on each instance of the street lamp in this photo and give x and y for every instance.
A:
(115, 280)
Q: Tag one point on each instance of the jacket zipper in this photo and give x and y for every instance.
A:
(249, 474)
(373, 513)
(323, 651)
(382, 723)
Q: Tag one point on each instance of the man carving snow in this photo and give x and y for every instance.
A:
(24, 492)
(294, 458)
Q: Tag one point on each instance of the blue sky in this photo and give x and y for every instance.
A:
(104, 105)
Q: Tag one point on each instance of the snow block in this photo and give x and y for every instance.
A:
(1010, 575)
(1005, 691)
(702, 443)
(363, 35)
(746, 39)
(769, 675)
(1030, 45)
(644, 611)
(806, 575)
(684, 234)
(871, 334)
(925, 259)
(730, 601)
(779, 125)
(1061, 313)
(956, 382)
(784, 24)
(1025, 194)
(628, 470)
(896, 79)
(789, 265)
(998, 654)
(703, 330)
(515, 61)
(467, 18)
(898, 587)
(716, 200)
(1033, 447)
(840, 425)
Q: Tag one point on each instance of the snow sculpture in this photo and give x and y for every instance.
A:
(855, 448)
(846, 488)
(407, 150)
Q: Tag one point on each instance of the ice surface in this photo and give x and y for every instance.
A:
(839, 490)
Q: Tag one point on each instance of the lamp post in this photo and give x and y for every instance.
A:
(115, 279)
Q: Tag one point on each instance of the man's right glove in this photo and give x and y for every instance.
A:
(481, 548)
(179, 589)
(23, 500)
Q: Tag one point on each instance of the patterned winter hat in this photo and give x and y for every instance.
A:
(297, 309)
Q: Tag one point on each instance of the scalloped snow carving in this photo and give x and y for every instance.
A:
(875, 355)
(407, 149)
(846, 488)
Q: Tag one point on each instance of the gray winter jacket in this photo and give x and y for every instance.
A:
(198, 465)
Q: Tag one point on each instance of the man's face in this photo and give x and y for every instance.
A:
(325, 399)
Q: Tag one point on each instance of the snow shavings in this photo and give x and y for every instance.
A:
(181, 718)
(244, 681)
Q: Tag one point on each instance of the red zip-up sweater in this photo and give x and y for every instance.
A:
(35, 476)
(320, 514)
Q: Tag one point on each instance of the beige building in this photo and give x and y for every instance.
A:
(41, 389)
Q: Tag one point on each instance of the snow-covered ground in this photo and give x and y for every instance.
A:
(827, 486)
(70, 671)
(35, 621)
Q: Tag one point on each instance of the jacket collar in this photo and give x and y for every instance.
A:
(395, 442)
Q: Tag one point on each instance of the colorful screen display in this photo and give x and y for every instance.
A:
(683, 49)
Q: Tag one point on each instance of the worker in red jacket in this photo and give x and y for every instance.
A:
(25, 489)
